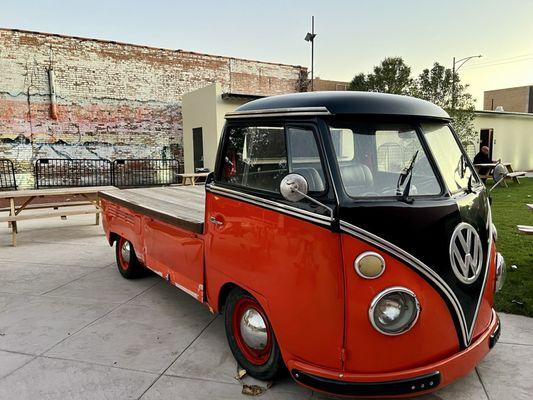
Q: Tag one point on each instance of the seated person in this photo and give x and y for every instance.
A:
(483, 158)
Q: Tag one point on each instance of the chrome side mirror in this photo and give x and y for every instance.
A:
(293, 187)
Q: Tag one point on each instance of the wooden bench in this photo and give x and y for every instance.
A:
(55, 205)
(511, 174)
(525, 229)
(87, 194)
(52, 214)
(515, 175)
(191, 179)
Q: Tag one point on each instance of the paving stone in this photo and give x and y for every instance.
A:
(466, 388)
(37, 323)
(171, 388)
(57, 246)
(45, 378)
(105, 285)
(516, 329)
(209, 357)
(507, 372)
(34, 279)
(58, 253)
(9, 362)
(8, 299)
(138, 336)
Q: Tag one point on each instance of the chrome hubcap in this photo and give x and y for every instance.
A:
(253, 329)
(125, 251)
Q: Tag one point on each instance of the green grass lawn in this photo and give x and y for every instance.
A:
(508, 210)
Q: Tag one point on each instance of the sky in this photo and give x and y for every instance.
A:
(352, 36)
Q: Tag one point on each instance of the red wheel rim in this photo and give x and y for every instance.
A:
(255, 356)
(123, 263)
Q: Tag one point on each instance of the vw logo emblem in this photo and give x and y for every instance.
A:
(466, 254)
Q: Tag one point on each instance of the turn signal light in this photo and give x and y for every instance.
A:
(369, 265)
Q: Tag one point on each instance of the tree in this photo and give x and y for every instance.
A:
(435, 85)
(303, 82)
(391, 76)
(359, 83)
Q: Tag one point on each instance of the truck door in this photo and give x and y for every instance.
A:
(285, 254)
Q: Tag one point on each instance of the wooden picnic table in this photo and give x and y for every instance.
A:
(192, 178)
(30, 195)
(511, 173)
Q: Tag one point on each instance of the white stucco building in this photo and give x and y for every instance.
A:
(203, 120)
(509, 135)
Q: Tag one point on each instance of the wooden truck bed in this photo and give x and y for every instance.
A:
(181, 206)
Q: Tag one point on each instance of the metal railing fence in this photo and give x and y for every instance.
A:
(8, 179)
(54, 172)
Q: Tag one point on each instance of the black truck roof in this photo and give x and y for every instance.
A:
(339, 103)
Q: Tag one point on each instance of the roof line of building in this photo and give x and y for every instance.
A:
(513, 87)
(142, 46)
(491, 112)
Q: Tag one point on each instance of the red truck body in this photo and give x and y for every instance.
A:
(293, 270)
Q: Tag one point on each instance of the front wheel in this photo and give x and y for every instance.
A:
(250, 336)
(128, 264)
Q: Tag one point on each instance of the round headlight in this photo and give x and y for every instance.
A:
(394, 311)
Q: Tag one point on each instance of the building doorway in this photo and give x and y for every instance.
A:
(198, 148)
(485, 139)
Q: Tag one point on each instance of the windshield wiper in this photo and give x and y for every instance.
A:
(407, 173)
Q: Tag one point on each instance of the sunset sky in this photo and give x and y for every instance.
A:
(353, 36)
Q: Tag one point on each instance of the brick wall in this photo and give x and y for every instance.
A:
(113, 100)
(511, 99)
(326, 84)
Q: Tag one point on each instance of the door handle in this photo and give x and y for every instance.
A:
(215, 221)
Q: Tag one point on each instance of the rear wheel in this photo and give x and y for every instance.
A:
(128, 264)
(250, 336)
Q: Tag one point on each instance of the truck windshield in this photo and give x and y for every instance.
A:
(381, 159)
(453, 166)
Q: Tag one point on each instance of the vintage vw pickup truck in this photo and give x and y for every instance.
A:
(345, 237)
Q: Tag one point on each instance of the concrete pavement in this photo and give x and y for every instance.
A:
(72, 328)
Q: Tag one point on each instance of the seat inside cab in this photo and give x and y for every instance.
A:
(372, 156)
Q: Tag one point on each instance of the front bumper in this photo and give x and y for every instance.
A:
(404, 383)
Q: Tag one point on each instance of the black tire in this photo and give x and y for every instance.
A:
(131, 269)
(265, 366)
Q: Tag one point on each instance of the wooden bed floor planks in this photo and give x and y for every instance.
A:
(183, 206)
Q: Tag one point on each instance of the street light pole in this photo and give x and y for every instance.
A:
(455, 68)
(310, 37)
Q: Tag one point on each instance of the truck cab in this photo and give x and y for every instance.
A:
(345, 236)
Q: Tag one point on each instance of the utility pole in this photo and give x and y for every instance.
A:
(310, 37)
(462, 62)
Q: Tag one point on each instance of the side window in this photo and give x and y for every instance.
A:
(255, 157)
(305, 157)
(343, 144)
